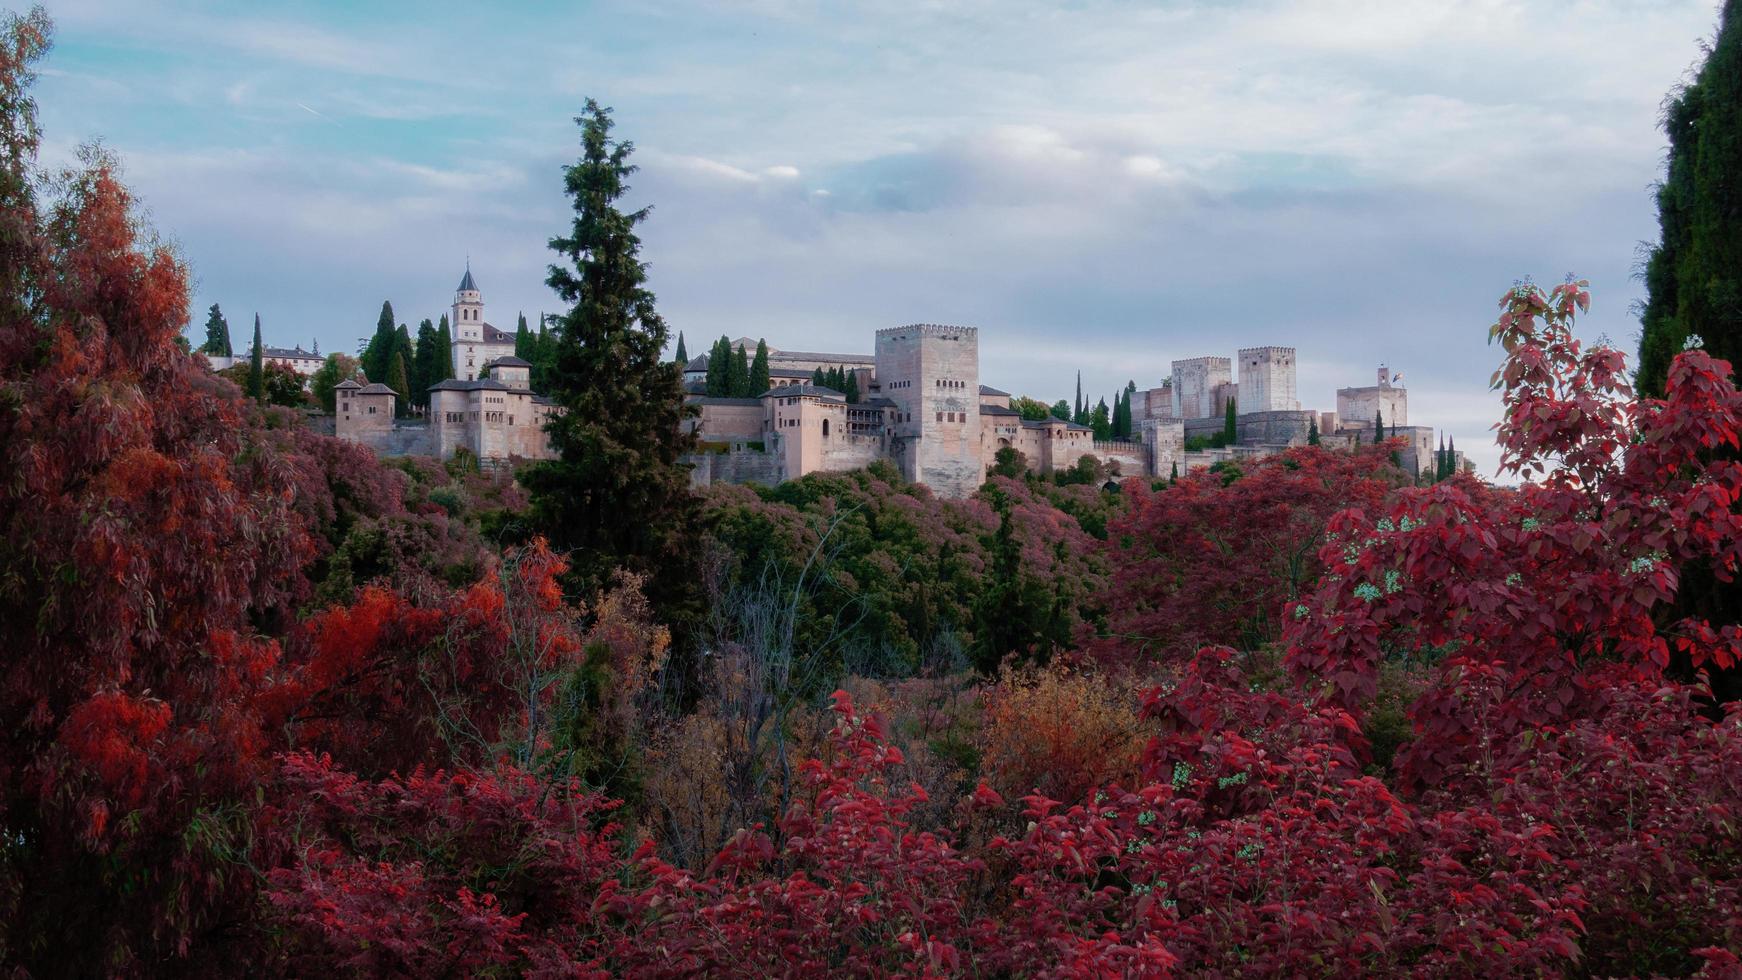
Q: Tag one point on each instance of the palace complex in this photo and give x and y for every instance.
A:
(923, 409)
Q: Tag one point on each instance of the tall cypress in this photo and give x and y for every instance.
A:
(617, 494)
(1077, 412)
(1378, 426)
(682, 356)
(741, 383)
(398, 379)
(759, 382)
(217, 334)
(1693, 276)
(719, 382)
(1230, 424)
(257, 366)
(523, 340)
(445, 338)
(1313, 432)
(378, 354)
(430, 364)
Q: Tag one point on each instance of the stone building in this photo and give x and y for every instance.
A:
(476, 343)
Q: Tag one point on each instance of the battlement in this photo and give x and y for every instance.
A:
(1265, 350)
(942, 331)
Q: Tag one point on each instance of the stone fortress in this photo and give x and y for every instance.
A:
(488, 408)
(923, 409)
(926, 411)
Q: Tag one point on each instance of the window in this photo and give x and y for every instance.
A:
(371, 409)
(940, 416)
(825, 428)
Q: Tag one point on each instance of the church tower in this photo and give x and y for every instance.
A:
(468, 328)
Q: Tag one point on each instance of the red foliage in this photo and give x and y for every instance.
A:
(1212, 561)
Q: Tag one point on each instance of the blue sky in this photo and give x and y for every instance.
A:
(1096, 185)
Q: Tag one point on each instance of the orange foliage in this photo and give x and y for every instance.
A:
(1060, 732)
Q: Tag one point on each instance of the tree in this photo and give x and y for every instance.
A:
(682, 357)
(1080, 410)
(398, 379)
(759, 382)
(1313, 432)
(522, 338)
(445, 340)
(378, 353)
(1693, 276)
(1061, 410)
(1378, 427)
(256, 366)
(851, 388)
(1101, 421)
(1230, 424)
(429, 363)
(217, 334)
(1031, 409)
(336, 368)
(617, 495)
(741, 375)
(719, 380)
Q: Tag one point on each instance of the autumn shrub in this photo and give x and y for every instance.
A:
(1059, 732)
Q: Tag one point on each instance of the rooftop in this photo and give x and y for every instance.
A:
(801, 391)
(989, 390)
(509, 360)
(376, 388)
(482, 384)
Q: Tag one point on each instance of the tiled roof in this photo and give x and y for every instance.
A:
(467, 283)
(347, 383)
(293, 353)
(794, 391)
(482, 384)
(805, 355)
(989, 390)
(715, 400)
(493, 335)
(997, 410)
(377, 388)
(509, 360)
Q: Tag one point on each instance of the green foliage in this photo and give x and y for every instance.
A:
(1019, 614)
(377, 356)
(719, 379)
(1101, 420)
(431, 362)
(1693, 276)
(1030, 409)
(398, 380)
(256, 387)
(336, 368)
(617, 495)
(1061, 410)
(759, 382)
(1009, 462)
(1231, 424)
(217, 341)
(1313, 432)
(682, 356)
(1378, 426)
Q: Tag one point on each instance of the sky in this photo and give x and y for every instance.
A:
(1097, 186)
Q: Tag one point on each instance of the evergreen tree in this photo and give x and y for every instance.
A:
(1452, 456)
(741, 375)
(1101, 421)
(217, 334)
(1378, 427)
(523, 340)
(257, 366)
(1230, 424)
(682, 356)
(1077, 412)
(403, 347)
(378, 353)
(1313, 432)
(1061, 410)
(399, 381)
(1693, 277)
(617, 495)
(759, 382)
(817, 377)
(851, 389)
(1173, 473)
(445, 339)
(428, 364)
(719, 377)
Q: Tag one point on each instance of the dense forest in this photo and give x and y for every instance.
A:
(273, 706)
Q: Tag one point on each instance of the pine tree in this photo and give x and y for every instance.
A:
(759, 382)
(1693, 277)
(682, 356)
(217, 334)
(1313, 432)
(257, 366)
(1061, 410)
(398, 379)
(1230, 424)
(1378, 427)
(617, 495)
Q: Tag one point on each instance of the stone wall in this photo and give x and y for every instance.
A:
(932, 374)
(1274, 428)
(1355, 406)
(737, 466)
(1131, 458)
(1165, 440)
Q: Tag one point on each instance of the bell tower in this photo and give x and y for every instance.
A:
(468, 327)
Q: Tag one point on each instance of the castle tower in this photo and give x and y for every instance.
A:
(468, 328)
(1195, 382)
(932, 374)
(1267, 380)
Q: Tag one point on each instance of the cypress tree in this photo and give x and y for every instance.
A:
(1230, 424)
(217, 334)
(1452, 456)
(523, 340)
(851, 389)
(1077, 413)
(682, 355)
(741, 375)
(1101, 421)
(445, 338)
(758, 369)
(1693, 276)
(378, 355)
(1313, 432)
(716, 379)
(427, 365)
(1173, 473)
(817, 377)
(403, 347)
(617, 494)
(257, 366)
(398, 379)
(1378, 427)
